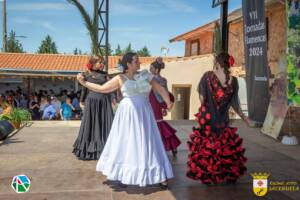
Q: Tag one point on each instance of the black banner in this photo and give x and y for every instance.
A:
(255, 39)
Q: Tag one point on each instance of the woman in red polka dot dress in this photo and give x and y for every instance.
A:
(216, 152)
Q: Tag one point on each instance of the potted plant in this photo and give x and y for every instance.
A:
(17, 116)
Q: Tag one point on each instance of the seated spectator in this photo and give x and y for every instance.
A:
(76, 105)
(11, 100)
(43, 104)
(57, 104)
(49, 111)
(66, 109)
(7, 108)
(35, 108)
(63, 96)
(23, 101)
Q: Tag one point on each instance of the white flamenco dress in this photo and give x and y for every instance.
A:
(134, 152)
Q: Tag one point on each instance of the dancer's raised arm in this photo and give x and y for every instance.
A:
(108, 87)
(163, 92)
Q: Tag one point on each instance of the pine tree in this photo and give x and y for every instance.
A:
(48, 46)
(144, 52)
(128, 49)
(75, 52)
(118, 51)
(13, 45)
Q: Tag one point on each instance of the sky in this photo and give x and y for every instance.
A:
(150, 23)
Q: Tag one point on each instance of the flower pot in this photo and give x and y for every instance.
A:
(16, 124)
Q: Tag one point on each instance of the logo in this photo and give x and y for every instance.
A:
(20, 183)
(260, 183)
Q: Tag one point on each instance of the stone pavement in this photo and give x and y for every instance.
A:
(43, 152)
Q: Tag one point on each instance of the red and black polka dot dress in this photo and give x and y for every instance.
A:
(216, 152)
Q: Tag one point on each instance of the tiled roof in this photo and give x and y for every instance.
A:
(53, 62)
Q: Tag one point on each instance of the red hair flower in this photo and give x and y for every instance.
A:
(89, 66)
(231, 61)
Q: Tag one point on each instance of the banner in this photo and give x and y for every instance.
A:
(293, 51)
(278, 106)
(255, 39)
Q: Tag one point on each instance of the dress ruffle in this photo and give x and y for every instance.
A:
(216, 159)
(169, 138)
(87, 150)
(134, 153)
(132, 175)
(94, 128)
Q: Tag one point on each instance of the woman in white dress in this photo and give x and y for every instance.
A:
(134, 153)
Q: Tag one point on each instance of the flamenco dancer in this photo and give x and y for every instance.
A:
(134, 153)
(169, 138)
(97, 114)
(216, 152)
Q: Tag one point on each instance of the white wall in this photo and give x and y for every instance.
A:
(187, 71)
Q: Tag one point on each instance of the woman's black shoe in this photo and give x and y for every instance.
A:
(174, 152)
(163, 186)
(122, 185)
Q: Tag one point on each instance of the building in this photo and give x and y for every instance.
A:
(200, 41)
(33, 72)
(184, 73)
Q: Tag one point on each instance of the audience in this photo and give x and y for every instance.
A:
(43, 105)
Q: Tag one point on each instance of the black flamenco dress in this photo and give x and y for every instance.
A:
(96, 121)
(215, 149)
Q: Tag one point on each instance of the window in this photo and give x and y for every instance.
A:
(195, 47)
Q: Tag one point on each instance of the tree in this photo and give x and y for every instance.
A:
(48, 46)
(128, 49)
(144, 52)
(91, 24)
(13, 45)
(110, 51)
(118, 51)
(102, 51)
(77, 52)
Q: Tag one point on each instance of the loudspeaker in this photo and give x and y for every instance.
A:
(5, 129)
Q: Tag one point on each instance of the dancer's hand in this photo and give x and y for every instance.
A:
(81, 79)
(250, 122)
(81, 104)
(164, 112)
(170, 105)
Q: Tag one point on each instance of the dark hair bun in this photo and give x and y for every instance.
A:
(127, 58)
(158, 65)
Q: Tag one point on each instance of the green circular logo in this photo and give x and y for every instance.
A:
(20, 183)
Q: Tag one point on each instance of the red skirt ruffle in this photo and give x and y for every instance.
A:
(214, 159)
(168, 136)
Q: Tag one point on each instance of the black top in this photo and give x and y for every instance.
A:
(97, 77)
(218, 99)
(35, 110)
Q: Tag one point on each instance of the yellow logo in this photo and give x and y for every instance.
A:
(260, 183)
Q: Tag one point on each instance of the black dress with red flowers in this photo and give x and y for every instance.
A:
(216, 152)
